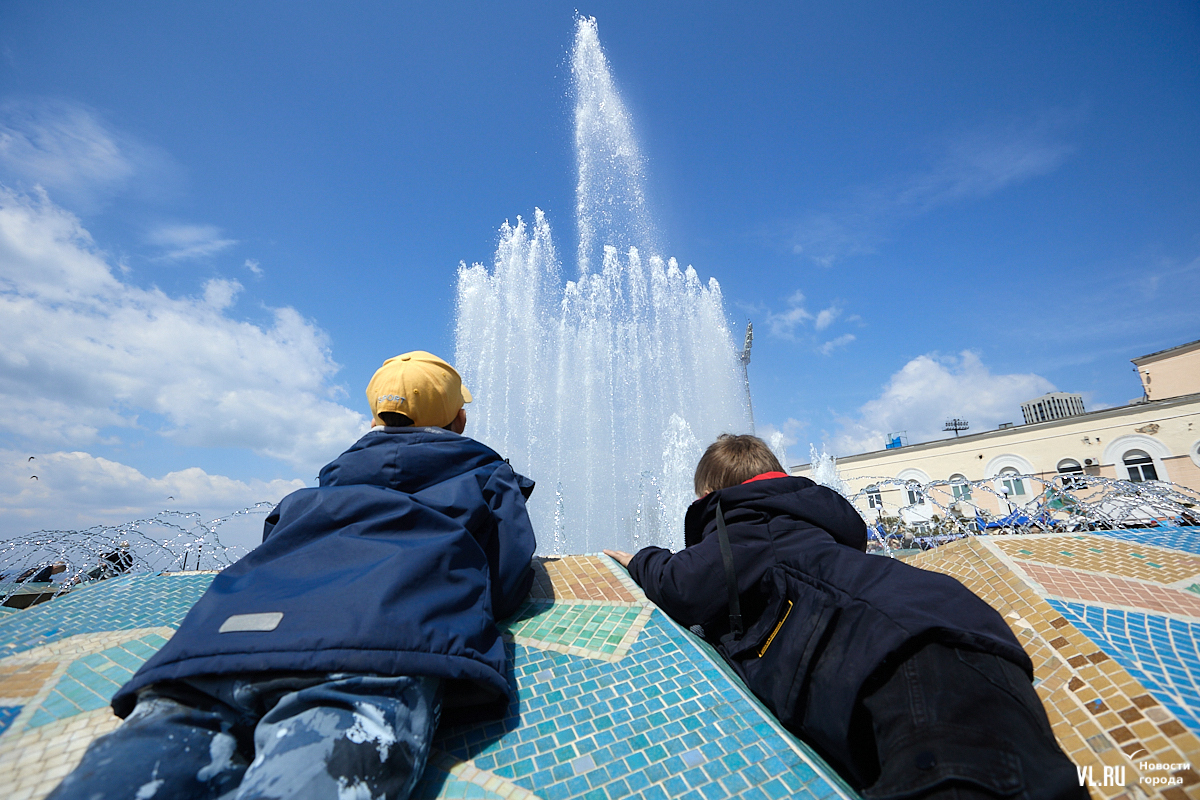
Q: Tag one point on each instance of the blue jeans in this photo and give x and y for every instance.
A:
(266, 735)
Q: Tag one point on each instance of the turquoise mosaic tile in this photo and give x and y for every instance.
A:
(125, 603)
(90, 682)
(662, 722)
(7, 715)
(453, 789)
(597, 626)
(1160, 651)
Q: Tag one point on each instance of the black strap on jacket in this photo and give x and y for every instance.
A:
(735, 604)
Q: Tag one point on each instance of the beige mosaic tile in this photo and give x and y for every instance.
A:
(579, 578)
(33, 763)
(1102, 554)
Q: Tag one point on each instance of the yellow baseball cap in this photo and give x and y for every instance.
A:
(420, 386)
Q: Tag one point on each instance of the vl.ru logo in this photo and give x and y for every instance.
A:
(1113, 776)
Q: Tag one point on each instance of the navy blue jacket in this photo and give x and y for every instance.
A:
(415, 542)
(882, 609)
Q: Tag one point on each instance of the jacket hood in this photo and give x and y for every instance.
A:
(410, 460)
(795, 497)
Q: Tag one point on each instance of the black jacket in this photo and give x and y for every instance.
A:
(399, 563)
(879, 610)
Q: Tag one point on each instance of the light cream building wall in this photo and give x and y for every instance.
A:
(1151, 439)
(1167, 431)
(1170, 373)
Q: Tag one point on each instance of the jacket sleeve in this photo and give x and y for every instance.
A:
(510, 549)
(690, 585)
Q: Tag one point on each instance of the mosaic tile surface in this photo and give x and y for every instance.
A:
(617, 701)
(1116, 682)
(1111, 589)
(1143, 561)
(125, 603)
(614, 699)
(565, 578)
(1183, 539)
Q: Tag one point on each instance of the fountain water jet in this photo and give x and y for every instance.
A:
(604, 390)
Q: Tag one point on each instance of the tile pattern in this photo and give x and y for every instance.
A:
(23, 680)
(451, 779)
(591, 630)
(125, 603)
(7, 715)
(1099, 554)
(615, 699)
(1184, 539)
(1159, 651)
(661, 723)
(1111, 589)
(565, 578)
(1102, 715)
(91, 681)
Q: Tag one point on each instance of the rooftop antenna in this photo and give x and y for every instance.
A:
(746, 372)
(956, 425)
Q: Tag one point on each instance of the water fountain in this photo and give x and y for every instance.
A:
(957, 509)
(165, 542)
(605, 390)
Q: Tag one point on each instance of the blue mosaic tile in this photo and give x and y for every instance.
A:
(90, 681)
(1172, 536)
(125, 603)
(7, 715)
(1160, 651)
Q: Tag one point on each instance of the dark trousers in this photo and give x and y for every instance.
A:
(953, 724)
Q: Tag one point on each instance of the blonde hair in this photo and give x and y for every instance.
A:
(733, 459)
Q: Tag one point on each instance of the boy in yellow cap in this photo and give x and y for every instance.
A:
(318, 665)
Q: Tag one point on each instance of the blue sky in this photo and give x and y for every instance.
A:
(217, 221)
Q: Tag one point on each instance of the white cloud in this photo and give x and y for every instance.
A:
(929, 390)
(784, 323)
(787, 324)
(826, 317)
(67, 148)
(76, 491)
(972, 166)
(85, 351)
(181, 242)
(833, 344)
(252, 265)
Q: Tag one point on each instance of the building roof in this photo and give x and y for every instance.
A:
(1131, 408)
(1178, 349)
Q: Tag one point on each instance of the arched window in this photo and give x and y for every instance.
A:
(1140, 466)
(915, 496)
(874, 497)
(1014, 486)
(960, 487)
(1070, 474)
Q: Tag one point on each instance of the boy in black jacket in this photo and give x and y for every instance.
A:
(906, 682)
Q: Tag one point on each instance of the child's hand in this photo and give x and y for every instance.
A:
(621, 557)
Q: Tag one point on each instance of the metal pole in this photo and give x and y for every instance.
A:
(746, 372)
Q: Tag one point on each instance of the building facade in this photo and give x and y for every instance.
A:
(1156, 438)
(1056, 405)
